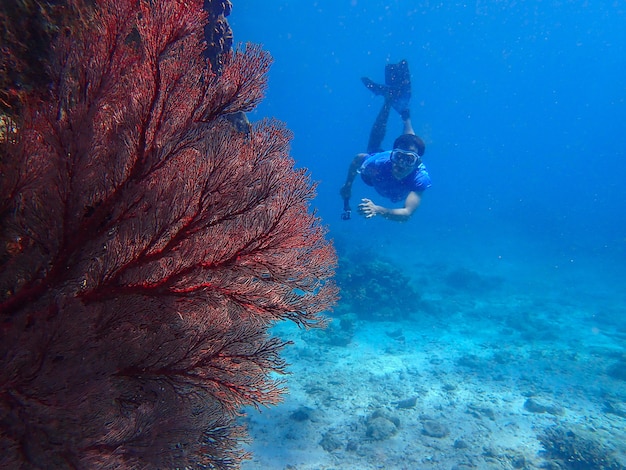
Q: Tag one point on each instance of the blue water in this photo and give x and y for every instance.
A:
(522, 105)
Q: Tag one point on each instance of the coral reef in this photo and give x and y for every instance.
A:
(146, 247)
(575, 451)
(29, 27)
(374, 288)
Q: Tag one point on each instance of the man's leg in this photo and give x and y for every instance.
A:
(379, 129)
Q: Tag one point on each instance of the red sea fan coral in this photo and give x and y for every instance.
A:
(146, 247)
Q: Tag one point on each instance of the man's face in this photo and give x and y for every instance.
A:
(403, 162)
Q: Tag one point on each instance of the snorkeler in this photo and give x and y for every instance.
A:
(397, 174)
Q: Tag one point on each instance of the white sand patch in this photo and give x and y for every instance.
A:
(492, 375)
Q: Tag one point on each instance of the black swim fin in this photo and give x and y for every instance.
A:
(375, 88)
(398, 81)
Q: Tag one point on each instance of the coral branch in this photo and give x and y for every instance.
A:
(146, 247)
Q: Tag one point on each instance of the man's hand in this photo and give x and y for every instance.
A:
(368, 209)
(346, 191)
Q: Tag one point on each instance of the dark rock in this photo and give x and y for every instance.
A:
(531, 326)
(617, 370)
(535, 407)
(470, 361)
(434, 428)
(338, 333)
(617, 409)
(490, 452)
(381, 425)
(480, 411)
(301, 414)
(382, 413)
(352, 446)
(347, 323)
(518, 461)
(331, 442)
(406, 403)
(341, 339)
(380, 429)
(503, 357)
(396, 334)
(460, 444)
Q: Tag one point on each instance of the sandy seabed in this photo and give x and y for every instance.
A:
(513, 378)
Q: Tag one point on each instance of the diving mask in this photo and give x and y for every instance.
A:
(404, 158)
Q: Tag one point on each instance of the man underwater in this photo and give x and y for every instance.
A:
(397, 174)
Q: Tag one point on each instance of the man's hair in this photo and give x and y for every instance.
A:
(410, 142)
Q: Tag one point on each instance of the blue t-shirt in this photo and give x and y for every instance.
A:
(376, 171)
